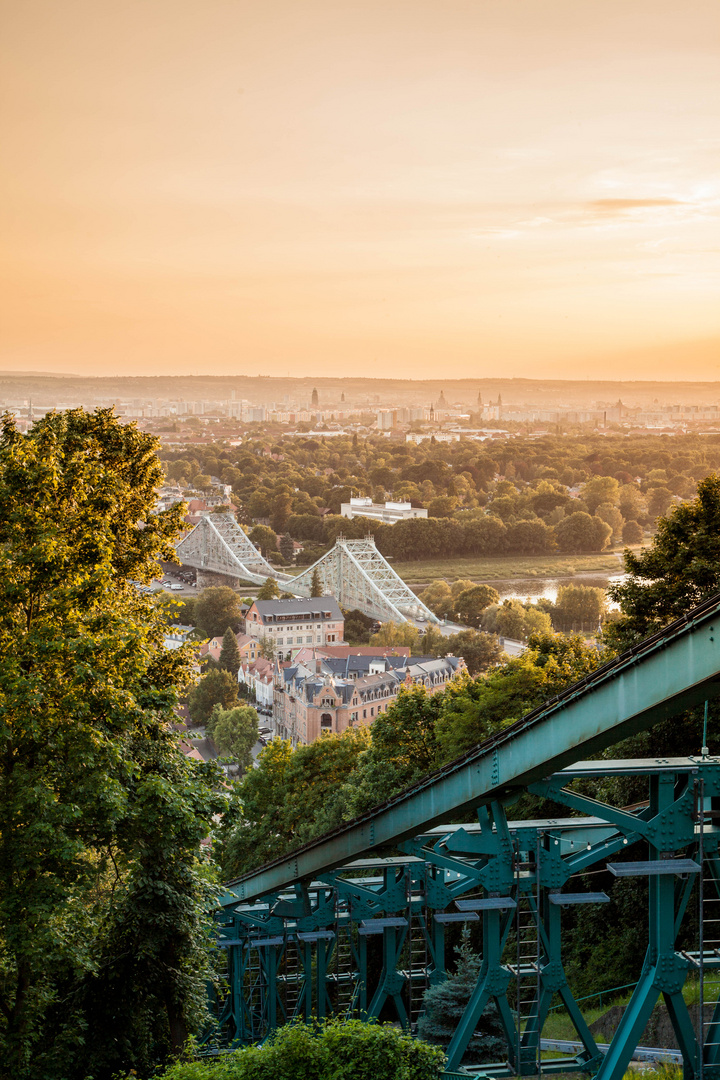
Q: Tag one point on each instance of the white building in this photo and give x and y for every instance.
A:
(315, 620)
(389, 513)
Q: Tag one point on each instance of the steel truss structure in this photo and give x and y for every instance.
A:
(355, 922)
(354, 571)
(217, 543)
(360, 577)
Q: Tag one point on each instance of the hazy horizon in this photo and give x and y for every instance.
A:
(380, 189)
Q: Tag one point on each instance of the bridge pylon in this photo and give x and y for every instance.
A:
(218, 545)
(358, 576)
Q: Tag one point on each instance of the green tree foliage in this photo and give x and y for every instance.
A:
(396, 634)
(515, 620)
(475, 709)
(659, 499)
(235, 732)
(632, 532)
(403, 749)
(439, 599)
(445, 1004)
(471, 603)
(269, 590)
(316, 588)
(265, 540)
(601, 489)
(338, 1050)
(267, 647)
(679, 570)
(581, 533)
(578, 607)
(479, 650)
(290, 798)
(101, 904)
(217, 687)
(217, 609)
(175, 612)
(230, 653)
(357, 627)
(286, 547)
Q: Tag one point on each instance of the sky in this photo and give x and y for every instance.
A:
(383, 187)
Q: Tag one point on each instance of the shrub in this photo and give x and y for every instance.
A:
(347, 1049)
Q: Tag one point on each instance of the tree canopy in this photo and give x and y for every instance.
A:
(101, 901)
(216, 609)
(677, 572)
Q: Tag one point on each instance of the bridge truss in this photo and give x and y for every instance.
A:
(354, 571)
(355, 922)
(360, 577)
(218, 544)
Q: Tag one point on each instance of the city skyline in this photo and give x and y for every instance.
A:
(527, 189)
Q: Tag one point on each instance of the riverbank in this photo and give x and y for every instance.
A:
(507, 568)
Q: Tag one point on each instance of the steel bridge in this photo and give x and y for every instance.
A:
(354, 923)
(354, 571)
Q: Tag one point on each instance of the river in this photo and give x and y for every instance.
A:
(536, 587)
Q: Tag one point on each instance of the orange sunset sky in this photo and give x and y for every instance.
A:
(382, 187)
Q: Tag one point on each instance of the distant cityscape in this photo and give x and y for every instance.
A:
(416, 411)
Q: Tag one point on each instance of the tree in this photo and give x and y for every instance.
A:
(472, 602)
(290, 798)
(269, 590)
(679, 570)
(357, 627)
(316, 588)
(235, 732)
(396, 634)
(101, 905)
(601, 489)
(267, 647)
(265, 539)
(632, 533)
(612, 517)
(439, 599)
(403, 749)
(445, 1003)
(479, 650)
(659, 499)
(581, 533)
(287, 548)
(475, 709)
(579, 607)
(217, 609)
(230, 654)
(216, 688)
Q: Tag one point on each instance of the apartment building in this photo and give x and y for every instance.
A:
(330, 694)
(288, 624)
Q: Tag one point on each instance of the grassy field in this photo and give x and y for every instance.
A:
(501, 568)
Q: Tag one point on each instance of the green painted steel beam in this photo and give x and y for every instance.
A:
(670, 672)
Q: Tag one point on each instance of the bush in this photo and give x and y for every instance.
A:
(349, 1049)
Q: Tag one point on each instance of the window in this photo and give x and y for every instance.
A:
(308, 639)
(280, 641)
(326, 721)
(364, 714)
(372, 712)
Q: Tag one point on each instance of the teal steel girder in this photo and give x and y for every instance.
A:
(673, 671)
